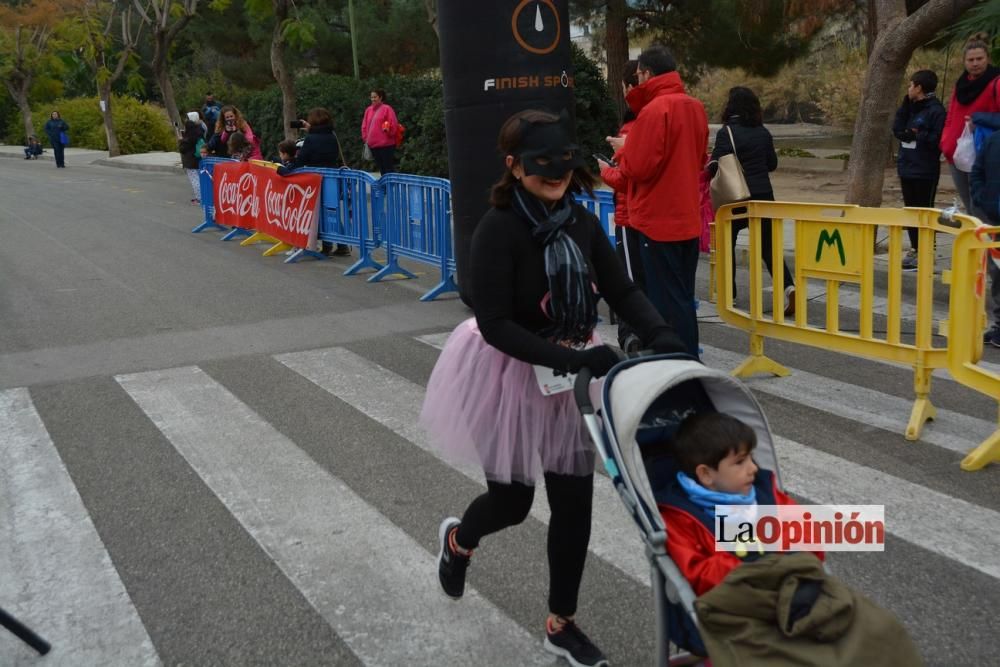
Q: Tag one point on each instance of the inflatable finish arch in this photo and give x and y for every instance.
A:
(497, 57)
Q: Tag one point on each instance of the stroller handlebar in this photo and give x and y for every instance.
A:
(581, 388)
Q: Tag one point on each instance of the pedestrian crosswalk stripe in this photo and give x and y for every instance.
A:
(917, 514)
(374, 585)
(931, 520)
(55, 573)
(950, 430)
(395, 402)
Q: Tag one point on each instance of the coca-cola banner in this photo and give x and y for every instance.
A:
(255, 197)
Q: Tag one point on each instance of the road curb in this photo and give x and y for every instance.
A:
(112, 162)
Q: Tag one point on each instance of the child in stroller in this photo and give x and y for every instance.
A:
(712, 465)
(718, 605)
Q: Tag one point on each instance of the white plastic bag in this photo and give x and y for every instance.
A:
(965, 150)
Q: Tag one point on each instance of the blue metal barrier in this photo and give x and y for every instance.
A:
(417, 225)
(351, 213)
(602, 204)
(205, 168)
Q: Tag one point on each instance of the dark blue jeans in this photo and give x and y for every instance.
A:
(670, 268)
(59, 151)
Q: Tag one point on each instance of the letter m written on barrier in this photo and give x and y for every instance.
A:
(837, 251)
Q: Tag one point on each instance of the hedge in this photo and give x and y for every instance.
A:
(140, 127)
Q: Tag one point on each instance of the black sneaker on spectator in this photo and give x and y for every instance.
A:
(568, 641)
(342, 250)
(451, 564)
(910, 260)
(992, 336)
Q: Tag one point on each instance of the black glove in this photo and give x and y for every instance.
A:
(666, 341)
(598, 359)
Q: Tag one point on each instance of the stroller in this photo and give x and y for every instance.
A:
(643, 402)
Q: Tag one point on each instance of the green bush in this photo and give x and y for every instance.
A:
(140, 127)
(595, 112)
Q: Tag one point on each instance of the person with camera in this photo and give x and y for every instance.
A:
(321, 148)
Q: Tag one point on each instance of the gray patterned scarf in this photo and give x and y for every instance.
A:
(572, 301)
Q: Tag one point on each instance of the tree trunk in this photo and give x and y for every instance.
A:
(898, 37)
(616, 51)
(161, 72)
(280, 70)
(432, 15)
(104, 93)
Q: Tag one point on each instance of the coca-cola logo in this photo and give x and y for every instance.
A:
(291, 208)
(239, 197)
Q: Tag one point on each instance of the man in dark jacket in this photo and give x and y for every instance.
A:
(984, 187)
(918, 125)
(321, 148)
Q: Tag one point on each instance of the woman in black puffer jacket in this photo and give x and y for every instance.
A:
(321, 148)
(755, 151)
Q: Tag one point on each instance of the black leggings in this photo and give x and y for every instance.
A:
(917, 192)
(570, 500)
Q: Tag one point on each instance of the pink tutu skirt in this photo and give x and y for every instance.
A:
(484, 407)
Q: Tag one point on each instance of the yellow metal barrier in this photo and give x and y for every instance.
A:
(835, 244)
(967, 319)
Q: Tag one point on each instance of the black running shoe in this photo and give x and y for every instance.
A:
(570, 643)
(451, 564)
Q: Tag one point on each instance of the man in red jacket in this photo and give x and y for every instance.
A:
(661, 160)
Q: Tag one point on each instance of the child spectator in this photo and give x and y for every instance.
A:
(984, 185)
(189, 143)
(713, 454)
(286, 152)
(33, 149)
(918, 126)
(238, 146)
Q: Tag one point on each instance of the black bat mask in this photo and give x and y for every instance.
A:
(548, 149)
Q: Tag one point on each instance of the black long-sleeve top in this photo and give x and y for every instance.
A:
(509, 283)
(755, 151)
(320, 149)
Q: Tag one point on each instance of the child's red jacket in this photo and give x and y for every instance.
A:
(690, 536)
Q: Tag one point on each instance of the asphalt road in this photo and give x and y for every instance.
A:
(210, 457)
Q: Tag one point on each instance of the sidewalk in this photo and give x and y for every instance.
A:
(158, 161)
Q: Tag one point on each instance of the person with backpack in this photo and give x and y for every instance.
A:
(975, 91)
(918, 125)
(380, 130)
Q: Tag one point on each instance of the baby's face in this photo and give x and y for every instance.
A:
(735, 473)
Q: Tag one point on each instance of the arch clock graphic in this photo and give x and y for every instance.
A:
(536, 27)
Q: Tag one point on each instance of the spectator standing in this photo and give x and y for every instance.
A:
(626, 239)
(380, 129)
(918, 125)
(985, 191)
(536, 257)
(662, 158)
(210, 112)
(754, 148)
(230, 121)
(56, 129)
(975, 91)
(321, 148)
(33, 149)
(188, 146)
